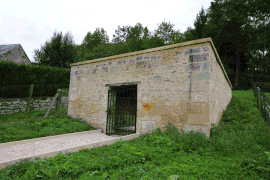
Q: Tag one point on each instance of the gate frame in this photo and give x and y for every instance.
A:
(110, 87)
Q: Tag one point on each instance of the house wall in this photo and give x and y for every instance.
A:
(15, 55)
(163, 87)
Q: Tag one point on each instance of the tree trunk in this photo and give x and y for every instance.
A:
(237, 73)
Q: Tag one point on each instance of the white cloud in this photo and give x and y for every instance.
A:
(30, 22)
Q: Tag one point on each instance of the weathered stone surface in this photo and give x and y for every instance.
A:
(171, 87)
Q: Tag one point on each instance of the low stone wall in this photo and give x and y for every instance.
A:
(44, 105)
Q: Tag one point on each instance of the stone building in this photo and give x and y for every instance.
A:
(184, 84)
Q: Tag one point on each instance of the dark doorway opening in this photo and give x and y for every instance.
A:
(122, 110)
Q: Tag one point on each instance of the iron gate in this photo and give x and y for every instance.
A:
(122, 110)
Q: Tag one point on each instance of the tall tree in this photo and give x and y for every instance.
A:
(106, 50)
(189, 34)
(129, 39)
(248, 8)
(152, 42)
(37, 52)
(68, 53)
(43, 58)
(259, 17)
(53, 52)
(166, 32)
(261, 36)
(235, 17)
(121, 35)
(139, 38)
(212, 29)
(177, 37)
(264, 47)
(91, 41)
(253, 52)
(59, 52)
(132, 36)
(226, 25)
(199, 24)
(77, 48)
(135, 37)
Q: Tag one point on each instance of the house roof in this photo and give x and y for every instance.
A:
(7, 47)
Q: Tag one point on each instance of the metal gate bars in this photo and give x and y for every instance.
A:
(122, 110)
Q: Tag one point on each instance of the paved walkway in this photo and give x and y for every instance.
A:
(50, 145)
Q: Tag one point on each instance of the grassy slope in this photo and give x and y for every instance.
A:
(236, 150)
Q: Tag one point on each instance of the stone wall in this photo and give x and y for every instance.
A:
(163, 87)
(222, 92)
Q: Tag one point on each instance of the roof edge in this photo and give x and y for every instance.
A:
(25, 54)
(3, 52)
(172, 46)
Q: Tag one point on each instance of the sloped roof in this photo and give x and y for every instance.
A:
(7, 47)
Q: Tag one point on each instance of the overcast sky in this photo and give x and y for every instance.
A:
(32, 22)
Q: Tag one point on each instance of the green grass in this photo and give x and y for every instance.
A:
(15, 127)
(237, 149)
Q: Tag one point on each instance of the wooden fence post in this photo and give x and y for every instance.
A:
(30, 95)
(58, 101)
(51, 104)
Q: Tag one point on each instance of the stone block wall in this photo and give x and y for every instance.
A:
(222, 92)
(163, 87)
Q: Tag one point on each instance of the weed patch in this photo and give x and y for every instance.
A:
(238, 148)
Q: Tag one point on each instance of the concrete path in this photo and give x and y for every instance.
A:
(45, 146)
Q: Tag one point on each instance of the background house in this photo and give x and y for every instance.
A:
(15, 53)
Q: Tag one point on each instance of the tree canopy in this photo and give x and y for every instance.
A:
(239, 29)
